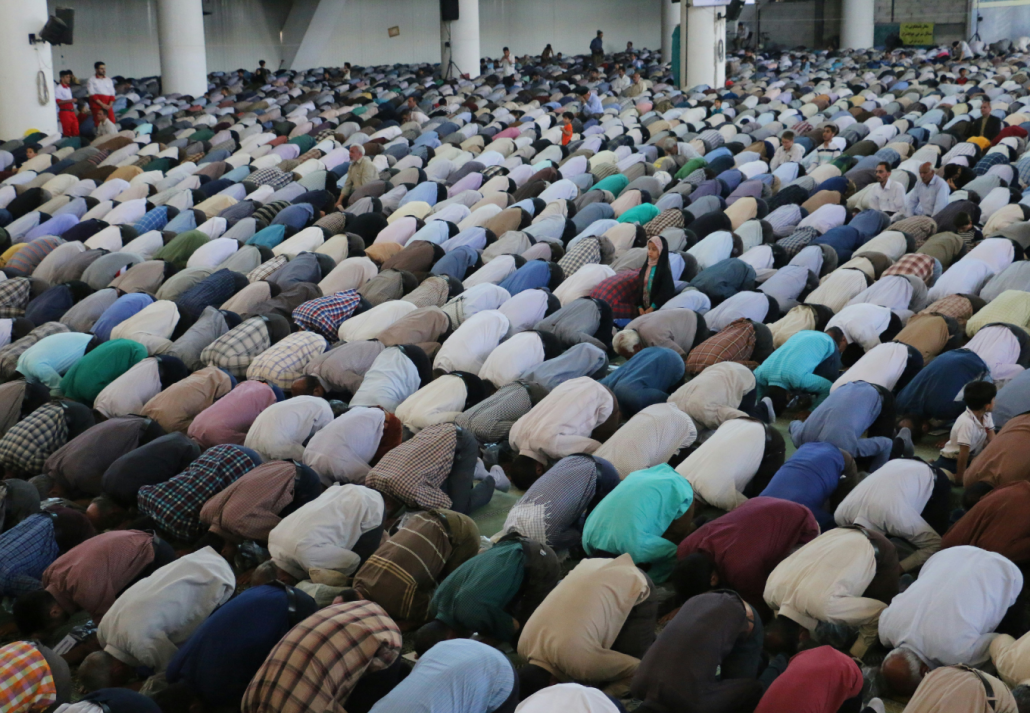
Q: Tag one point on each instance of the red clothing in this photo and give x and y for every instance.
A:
(566, 135)
(748, 543)
(94, 105)
(816, 681)
(69, 123)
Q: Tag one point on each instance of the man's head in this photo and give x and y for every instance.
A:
(100, 68)
(600, 34)
(975, 493)
(838, 338)
(926, 173)
(268, 572)
(432, 634)
(627, 343)
(1022, 695)
(102, 670)
(507, 52)
(963, 222)
(693, 575)
(524, 471)
(636, 77)
(261, 63)
(307, 385)
(356, 153)
(787, 140)
(902, 671)
(66, 77)
(985, 108)
(883, 172)
(829, 131)
(105, 514)
(629, 46)
(412, 104)
(37, 613)
(782, 636)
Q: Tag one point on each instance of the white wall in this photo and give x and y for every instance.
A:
(123, 33)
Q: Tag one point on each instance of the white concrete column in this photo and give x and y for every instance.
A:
(670, 18)
(706, 47)
(26, 69)
(180, 32)
(856, 24)
(463, 36)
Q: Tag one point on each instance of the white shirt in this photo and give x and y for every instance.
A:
(494, 272)
(508, 66)
(486, 296)
(713, 249)
(996, 345)
(320, 534)
(652, 436)
(568, 698)
(512, 359)
(129, 393)
(895, 292)
(213, 253)
(965, 277)
(712, 397)
(6, 326)
(561, 423)
(368, 325)
(947, 615)
(889, 198)
(621, 84)
(862, 323)
(581, 282)
(439, 401)
(743, 305)
(825, 217)
(998, 253)
(102, 86)
(471, 343)
(391, 379)
(782, 156)
(690, 298)
(882, 365)
(152, 326)
(722, 466)
(968, 430)
(342, 452)
(350, 274)
(927, 199)
(150, 620)
(524, 310)
(63, 93)
(281, 430)
(891, 501)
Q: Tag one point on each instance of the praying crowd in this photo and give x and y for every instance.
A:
(746, 363)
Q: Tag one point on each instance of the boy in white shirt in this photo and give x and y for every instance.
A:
(972, 431)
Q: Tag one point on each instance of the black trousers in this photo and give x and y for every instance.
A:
(466, 497)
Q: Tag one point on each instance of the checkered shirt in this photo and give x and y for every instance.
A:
(555, 501)
(333, 222)
(236, 349)
(28, 443)
(175, 504)
(155, 219)
(320, 660)
(915, 264)
(26, 683)
(14, 295)
(325, 314)
(1023, 169)
(671, 218)
(798, 240)
(734, 343)
(491, 419)
(10, 354)
(26, 550)
(265, 269)
(696, 177)
(213, 290)
(272, 176)
(955, 306)
(622, 292)
(286, 361)
(414, 471)
(991, 159)
(586, 252)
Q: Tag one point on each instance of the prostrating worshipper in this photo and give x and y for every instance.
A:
(570, 697)
(50, 358)
(969, 588)
(888, 366)
(492, 594)
(932, 394)
(342, 369)
(905, 500)
(676, 329)
(705, 660)
(1013, 400)
(237, 348)
(817, 475)
(819, 680)
(996, 523)
(1012, 661)
(150, 620)
(131, 391)
(854, 409)
(586, 320)
(344, 652)
(844, 576)
(955, 689)
(254, 505)
(93, 372)
(972, 431)
(807, 363)
(654, 436)
(443, 398)
(594, 627)
(175, 505)
(553, 509)
(490, 420)
(739, 550)
(721, 392)
(346, 449)
(403, 573)
(645, 379)
(575, 417)
(471, 343)
(743, 341)
(177, 406)
(28, 548)
(229, 419)
(930, 335)
(89, 577)
(334, 532)
(35, 678)
(645, 516)
(280, 431)
(1004, 460)
(396, 374)
(220, 659)
(865, 325)
(735, 463)
(456, 676)
(150, 464)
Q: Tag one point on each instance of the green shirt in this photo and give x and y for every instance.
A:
(179, 248)
(473, 597)
(93, 372)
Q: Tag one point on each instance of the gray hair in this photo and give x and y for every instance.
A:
(359, 147)
(626, 341)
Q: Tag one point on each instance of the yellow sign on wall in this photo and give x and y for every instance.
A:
(916, 33)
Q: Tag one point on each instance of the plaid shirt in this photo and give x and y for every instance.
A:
(333, 222)
(622, 293)
(490, 420)
(555, 501)
(320, 661)
(915, 264)
(325, 314)
(671, 218)
(14, 295)
(236, 349)
(10, 354)
(28, 443)
(991, 159)
(271, 176)
(955, 306)
(213, 290)
(267, 268)
(175, 504)
(734, 343)
(26, 550)
(414, 471)
(1023, 169)
(155, 219)
(798, 240)
(286, 361)
(26, 683)
(586, 252)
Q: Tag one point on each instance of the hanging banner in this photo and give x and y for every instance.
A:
(916, 33)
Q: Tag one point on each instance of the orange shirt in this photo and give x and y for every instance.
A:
(566, 135)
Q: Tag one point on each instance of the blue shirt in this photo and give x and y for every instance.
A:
(597, 45)
(841, 419)
(26, 550)
(809, 478)
(456, 675)
(295, 216)
(50, 306)
(533, 275)
(224, 653)
(593, 105)
(123, 308)
(212, 290)
(47, 360)
(932, 392)
(1012, 400)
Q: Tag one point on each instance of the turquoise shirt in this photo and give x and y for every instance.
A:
(47, 360)
(791, 366)
(632, 518)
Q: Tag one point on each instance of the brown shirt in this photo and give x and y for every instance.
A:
(177, 406)
(997, 523)
(249, 508)
(1006, 459)
(423, 325)
(926, 332)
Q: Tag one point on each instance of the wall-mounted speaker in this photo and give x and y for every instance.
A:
(448, 10)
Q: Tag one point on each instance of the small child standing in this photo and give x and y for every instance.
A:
(566, 128)
(972, 431)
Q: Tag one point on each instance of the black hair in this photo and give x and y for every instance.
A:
(96, 65)
(311, 382)
(975, 493)
(1021, 694)
(886, 166)
(32, 612)
(569, 115)
(692, 575)
(523, 472)
(787, 135)
(963, 218)
(978, 394)
(779, 397)
(430, 635)
(836, 332)
(505, 49)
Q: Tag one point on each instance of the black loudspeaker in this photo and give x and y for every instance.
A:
(734, 9)
(448, 10)
(67, 16)
(56, 32)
